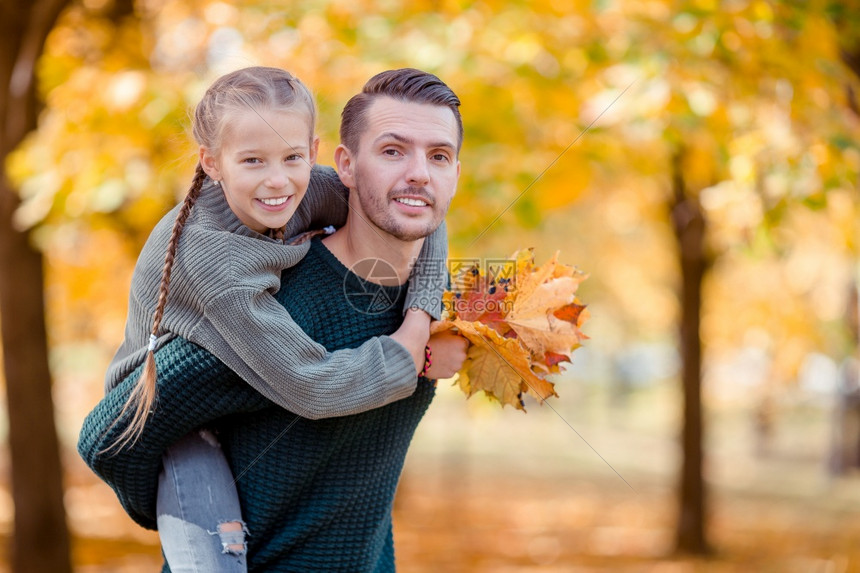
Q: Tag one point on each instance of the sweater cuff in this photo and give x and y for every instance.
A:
(401, 368)
(432, 306)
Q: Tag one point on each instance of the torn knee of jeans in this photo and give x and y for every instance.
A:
(232, 535)
(209, 438)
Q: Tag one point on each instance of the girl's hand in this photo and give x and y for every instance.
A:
(448, 352)
(413, 335)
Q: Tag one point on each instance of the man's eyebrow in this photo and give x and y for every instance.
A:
(395, 136)
(409, 140)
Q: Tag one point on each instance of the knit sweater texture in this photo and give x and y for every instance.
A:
(316, 494)
(221, 298)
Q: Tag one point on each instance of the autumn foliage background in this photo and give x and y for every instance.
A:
(592, 127)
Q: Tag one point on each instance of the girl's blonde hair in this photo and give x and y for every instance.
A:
(256, 88)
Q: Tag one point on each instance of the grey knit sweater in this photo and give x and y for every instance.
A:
(221, 297)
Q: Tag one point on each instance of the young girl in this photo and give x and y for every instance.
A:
(225, 251)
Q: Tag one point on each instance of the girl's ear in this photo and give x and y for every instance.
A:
(209, 163)
(315, 147)
(344, 163)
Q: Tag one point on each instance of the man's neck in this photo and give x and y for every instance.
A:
(359, 244)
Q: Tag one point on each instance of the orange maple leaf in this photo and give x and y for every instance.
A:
(519, 333)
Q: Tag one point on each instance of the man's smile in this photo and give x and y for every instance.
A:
(412, 202)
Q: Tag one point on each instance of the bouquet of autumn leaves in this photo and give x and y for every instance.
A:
(522, 324)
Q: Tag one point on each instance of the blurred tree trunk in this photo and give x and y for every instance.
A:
(41, 540)
(689, 224)
(849, 40)
(845, 446)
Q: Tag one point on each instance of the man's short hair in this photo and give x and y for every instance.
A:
(407, 85)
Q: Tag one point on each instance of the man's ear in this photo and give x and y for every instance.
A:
(345, 164)
(209, 164)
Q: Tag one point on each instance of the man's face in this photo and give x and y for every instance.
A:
(405, 172)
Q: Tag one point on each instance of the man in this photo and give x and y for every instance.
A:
(317, 494)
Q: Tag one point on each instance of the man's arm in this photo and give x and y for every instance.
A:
(194, 388)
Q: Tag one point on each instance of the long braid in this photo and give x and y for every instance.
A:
(143, 396)
(278, 234)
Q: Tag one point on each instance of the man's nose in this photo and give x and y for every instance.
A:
(418, 173)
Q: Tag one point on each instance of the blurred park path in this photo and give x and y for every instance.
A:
(487, 490)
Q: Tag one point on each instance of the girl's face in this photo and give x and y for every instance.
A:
(264, 165)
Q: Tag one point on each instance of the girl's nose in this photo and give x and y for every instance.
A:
(277, 178)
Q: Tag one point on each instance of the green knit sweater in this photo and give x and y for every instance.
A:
(316, 494)
(221, 298)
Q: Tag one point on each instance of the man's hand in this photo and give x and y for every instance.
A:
(448, 352)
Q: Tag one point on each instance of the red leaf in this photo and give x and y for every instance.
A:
(569, 312)
(553, 358)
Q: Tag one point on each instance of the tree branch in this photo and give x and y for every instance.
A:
(40, 21)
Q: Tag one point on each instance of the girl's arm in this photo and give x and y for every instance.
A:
(325, 203)
(430, 274)
(258, 339)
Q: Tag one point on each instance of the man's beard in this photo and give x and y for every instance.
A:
(378, 211)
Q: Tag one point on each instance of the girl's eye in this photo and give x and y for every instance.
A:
(294, 157)
(252, 160)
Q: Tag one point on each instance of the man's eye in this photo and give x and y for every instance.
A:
(440, 157)
(391, 152)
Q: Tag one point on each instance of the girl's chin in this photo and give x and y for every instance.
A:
(281, 220)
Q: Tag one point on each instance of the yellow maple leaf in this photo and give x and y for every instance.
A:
(542, 334)
(528, 277)
(539, 294)
(499, 366)
(543, 298)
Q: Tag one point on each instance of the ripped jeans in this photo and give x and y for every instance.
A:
(199, 518)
